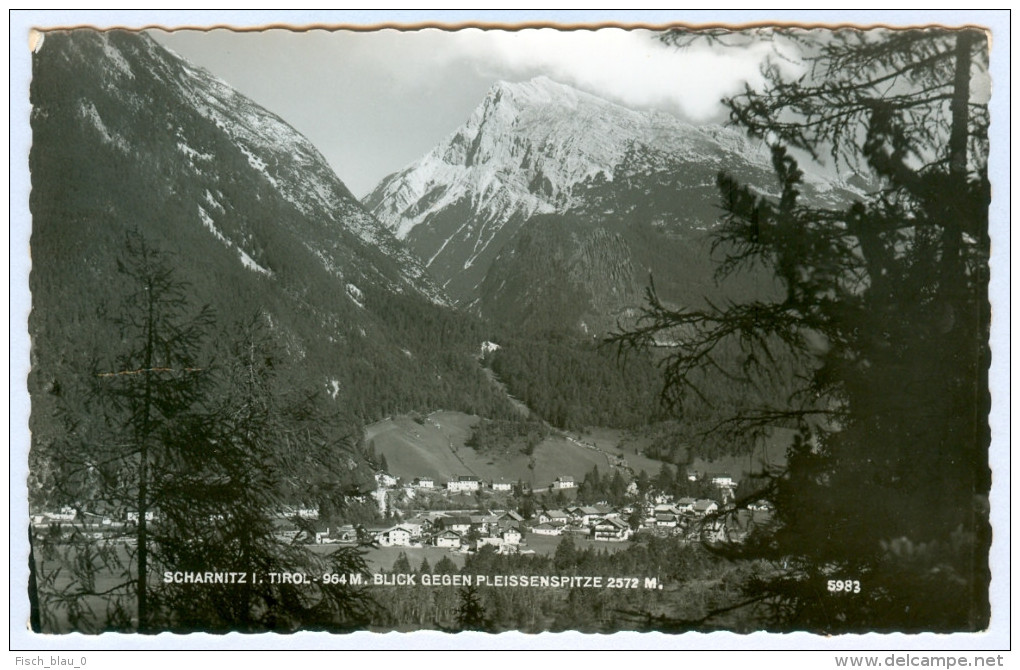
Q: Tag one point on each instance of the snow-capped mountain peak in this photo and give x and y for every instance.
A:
(525, 150)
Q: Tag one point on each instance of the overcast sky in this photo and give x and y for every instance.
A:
(372, 102)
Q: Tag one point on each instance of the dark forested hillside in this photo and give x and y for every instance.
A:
(574, 384)
(128, 138)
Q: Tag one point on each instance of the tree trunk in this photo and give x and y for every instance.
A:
(958, 136)
(143, 470)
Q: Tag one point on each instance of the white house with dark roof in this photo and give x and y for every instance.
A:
(585, 515)
(721, 479)
(705, 506)
(449, 539)
(665, 520)
(685, 505)
(509, 515)
(460, 524)
(463, 483)
(398, 536)
(564, 482)
(501, 485)
(511, 535)
(554, 516)
(546, 529)
(610, 530)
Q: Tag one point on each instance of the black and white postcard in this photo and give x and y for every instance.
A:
(539, 328)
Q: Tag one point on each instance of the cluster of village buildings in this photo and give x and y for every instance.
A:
(464, 484)
(506, 530)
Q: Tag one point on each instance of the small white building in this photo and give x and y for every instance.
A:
(665, 520)
(423, 483)
(564, 482)
(414, 527)
(459, 524)
(449, 539)
(685, 505)
(385, 480)
(501, 485)
(586, 515)
(511, 536)
(705, 506)
(611, 530)
(398, 536)
(722, 480)
(489, 542)
(463, 483)
(546, 529)
(556, 517)
(346, 533)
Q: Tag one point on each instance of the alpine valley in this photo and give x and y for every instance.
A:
(128, 137)
(535, 225)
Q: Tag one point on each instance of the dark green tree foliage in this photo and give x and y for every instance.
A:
(573, 384)
(471, 614)
(124, 425)
(884, 319)
(263, 452)
(695, 583)
(190, 463)
(610, 488)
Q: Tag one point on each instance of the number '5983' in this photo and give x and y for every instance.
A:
(844, 586)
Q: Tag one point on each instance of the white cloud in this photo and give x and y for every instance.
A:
(629, 66)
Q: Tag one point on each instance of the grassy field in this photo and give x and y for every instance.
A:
(620, 443)
(435, 448)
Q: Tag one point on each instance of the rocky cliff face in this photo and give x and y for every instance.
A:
(620, 194)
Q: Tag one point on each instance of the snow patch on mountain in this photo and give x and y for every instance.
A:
(87, 110)
(356, 296)
(246, 260)
(211, 226)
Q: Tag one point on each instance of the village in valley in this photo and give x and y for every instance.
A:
(494, 523)
(461, 514)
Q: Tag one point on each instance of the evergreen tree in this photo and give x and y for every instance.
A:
(881, 327)
(566, 554)
(123, 425)
(402, 565)
(470, 613)
(188, 461)
(644, 483)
